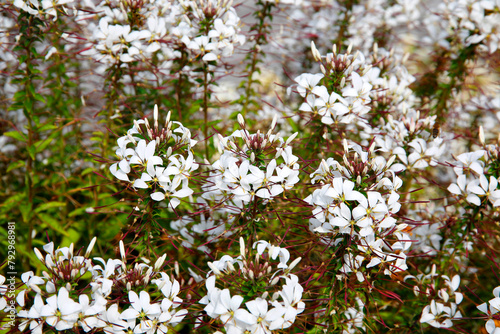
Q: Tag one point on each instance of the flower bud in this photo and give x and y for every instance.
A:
(155, 116)
(292, 137)
(242, 247)
(315, 52)
(273, 123)
(74, 273)
(322, 68)
(251, 274)
(122, 250)
(39, 255)
(241, 121)
(349, 48)
(216, 271)
(90, 247)
(294, 263)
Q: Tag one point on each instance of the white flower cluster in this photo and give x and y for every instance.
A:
(357, 201)
(362, 88)
(48, 7)
(472, 184)
(355, 317)
(262, 314)
(494, 308)
(352, 86)
(159, 160)
(63, 307)
(370, 20)
(160, 29)
(411, 141)
(349, 99)
(249, 167)
(443, 307)
(475, 22)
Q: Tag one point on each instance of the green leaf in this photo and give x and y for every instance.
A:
(87, 171)
(39, 97)
(53, 223)
(20, 95)
(18, 135)
(28, 105)
(47, 127)
(49, 205)
(32, 151)
(15, 165)
(26, 212)
(77, 212)
(42, 144)
(12, 201)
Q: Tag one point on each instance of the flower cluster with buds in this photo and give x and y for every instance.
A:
(159, 160)
(357, 202)
(161, 31)
(344, 95)
(47, 7)
(272, 296)
(474, 22)
(442, 309)
(252, 166)
(474, 183)
(66, 298)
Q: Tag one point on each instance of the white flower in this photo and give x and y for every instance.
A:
(34, 316)
(50, 6)
(115, 323)
(470, 160)
(274, 252)
(360, 89)
(204, 46)
(306, 82)
(494, 308)
(145, 156)
(440, 316)
(260, 319)
(61, 311)
(140, 308)
(89, 316)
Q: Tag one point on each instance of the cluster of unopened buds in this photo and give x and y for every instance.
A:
(104, 300)
(252, 166)
(159, 160)
(268, 304)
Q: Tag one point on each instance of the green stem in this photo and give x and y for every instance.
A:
(205, 108)
(260, 39)
(30, 165)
